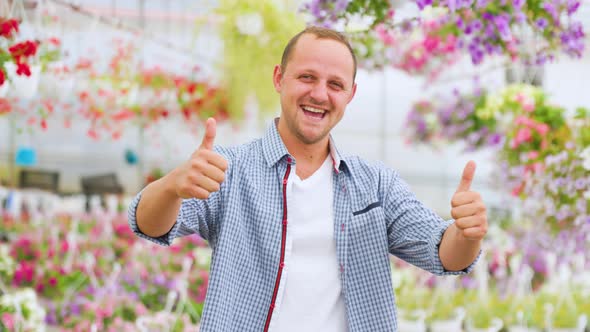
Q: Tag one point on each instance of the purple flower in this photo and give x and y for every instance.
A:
(517, 3)
(487, 16)
(550, 8)
(481, 4)
(460, 23)
(494, 139)
(340, 5)
(423, 3)
(572, 6)
(541, 23)
(520, 17)
(581, 205)
(469, 283)
(540, 266)
(580, 184)
(476, 25)
(503, 26)
(159, 280)
(452, 4)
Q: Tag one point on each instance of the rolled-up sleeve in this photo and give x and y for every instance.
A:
(164, 240)
(194, 217)
(414, 231)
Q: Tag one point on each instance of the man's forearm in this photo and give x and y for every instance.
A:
(158, 208)
(455, 251)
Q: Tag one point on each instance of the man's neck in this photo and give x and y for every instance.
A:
(309, 157)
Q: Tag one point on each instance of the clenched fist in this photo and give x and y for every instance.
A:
(468, 209)
(204, 172)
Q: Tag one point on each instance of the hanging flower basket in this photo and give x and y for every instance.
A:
(23, 86)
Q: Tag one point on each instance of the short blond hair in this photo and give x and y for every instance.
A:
(320, 33)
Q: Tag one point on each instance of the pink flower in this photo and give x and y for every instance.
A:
(140, 309)
(8, 320)
(542, 128)
(384, 35)
(523, 135)
(529, 107)
(533, 155)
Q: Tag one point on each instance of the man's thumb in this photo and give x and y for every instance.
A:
(467, 177)
(209, 138)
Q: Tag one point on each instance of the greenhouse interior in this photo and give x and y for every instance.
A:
(106, 102)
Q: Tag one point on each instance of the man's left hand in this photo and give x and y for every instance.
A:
(468, 209)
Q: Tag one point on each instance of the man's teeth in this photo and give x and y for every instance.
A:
(312, 109)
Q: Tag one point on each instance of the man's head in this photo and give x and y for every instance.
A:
(320, 33)
(316, 81)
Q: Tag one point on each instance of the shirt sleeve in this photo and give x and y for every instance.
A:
(194, 217)
(414, 230)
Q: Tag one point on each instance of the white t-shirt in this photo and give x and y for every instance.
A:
(310, 294)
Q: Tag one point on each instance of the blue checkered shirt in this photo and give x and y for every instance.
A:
(375, 215)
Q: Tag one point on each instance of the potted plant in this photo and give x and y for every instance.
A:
(483, 312)
(447, 312)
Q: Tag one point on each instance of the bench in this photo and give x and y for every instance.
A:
(39, 179)
(101, 184)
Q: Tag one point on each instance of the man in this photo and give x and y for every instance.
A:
(300, 232)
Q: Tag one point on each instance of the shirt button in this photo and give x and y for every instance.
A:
(289, 160)
(342, 227)
(341, 268)
(285, 222)
(343, 187)
(282, 265)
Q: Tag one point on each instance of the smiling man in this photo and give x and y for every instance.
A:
(301, 233)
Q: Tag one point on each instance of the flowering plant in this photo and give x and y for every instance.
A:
(254, 34)
(480, 28)
(21, 311)
(489, 27)
(14, 52)
(453, 119)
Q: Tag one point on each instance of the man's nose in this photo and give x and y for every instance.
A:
(319, 93)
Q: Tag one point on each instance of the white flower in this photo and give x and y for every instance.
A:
(586, 158)
(24, 303)
(250, 24)
(430, 13)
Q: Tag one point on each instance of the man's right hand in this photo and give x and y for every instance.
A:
(204, 172)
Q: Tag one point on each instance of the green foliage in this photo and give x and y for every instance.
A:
(378, 9)
(247, 58)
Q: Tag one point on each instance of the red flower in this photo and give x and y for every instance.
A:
(23, 69)
(2, 77)
(54, 41)
(8, 27)
(23, 49)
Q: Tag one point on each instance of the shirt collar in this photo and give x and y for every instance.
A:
(274, 149)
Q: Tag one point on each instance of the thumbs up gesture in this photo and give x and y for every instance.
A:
(204, 172)
(468, 209)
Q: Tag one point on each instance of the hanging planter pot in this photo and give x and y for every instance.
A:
(451, 324)
(495, 326)
(56, 83)
(414, 321)
(23, 86)
(581, 327)
(519, 328)
(4, 89)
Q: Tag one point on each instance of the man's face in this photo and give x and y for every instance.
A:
(314, 89)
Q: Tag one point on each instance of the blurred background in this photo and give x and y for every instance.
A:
(99, 98)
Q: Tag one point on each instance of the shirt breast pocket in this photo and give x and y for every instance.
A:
(368, 224)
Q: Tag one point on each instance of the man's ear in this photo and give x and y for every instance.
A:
(352, 92)
(276, 78)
